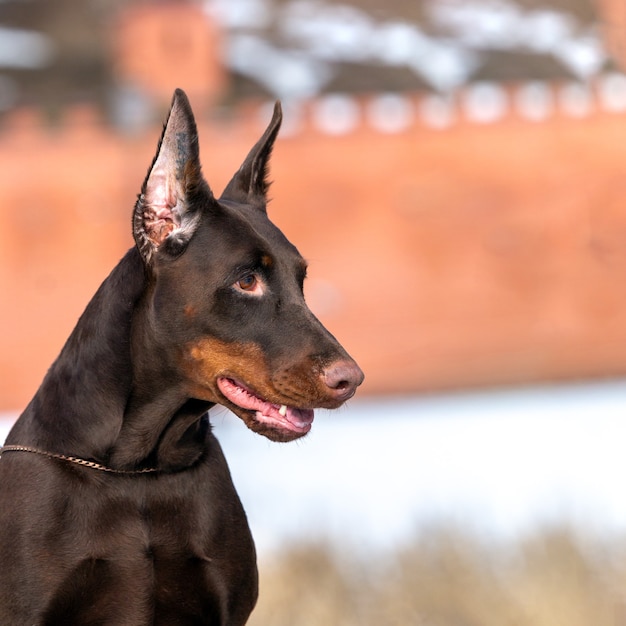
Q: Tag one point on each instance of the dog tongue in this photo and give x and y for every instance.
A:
(273, 414)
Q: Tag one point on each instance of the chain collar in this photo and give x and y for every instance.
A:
(76, 460)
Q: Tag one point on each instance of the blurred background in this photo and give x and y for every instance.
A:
(455, 173)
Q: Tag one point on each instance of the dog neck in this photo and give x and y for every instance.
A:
(91, 404)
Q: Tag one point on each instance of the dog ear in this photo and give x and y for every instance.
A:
(250, 184)
(165, 215)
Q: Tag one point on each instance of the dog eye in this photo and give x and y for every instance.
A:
(250, 284)
(247, 283)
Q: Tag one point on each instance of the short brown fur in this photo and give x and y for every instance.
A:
(164, 339)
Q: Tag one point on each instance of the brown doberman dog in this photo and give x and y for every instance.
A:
(117, 506)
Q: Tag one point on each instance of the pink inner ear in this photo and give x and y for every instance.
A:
(158, 224)
(158, 217)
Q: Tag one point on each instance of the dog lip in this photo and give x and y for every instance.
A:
(273, 415)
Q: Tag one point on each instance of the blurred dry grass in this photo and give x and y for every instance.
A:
(556, 577)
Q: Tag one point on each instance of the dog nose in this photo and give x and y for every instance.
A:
(342, 378)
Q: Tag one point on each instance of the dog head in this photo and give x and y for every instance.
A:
(225, 300)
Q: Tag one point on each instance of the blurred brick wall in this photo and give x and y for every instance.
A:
(470, 254)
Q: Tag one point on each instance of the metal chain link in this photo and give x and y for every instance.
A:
(76, 460)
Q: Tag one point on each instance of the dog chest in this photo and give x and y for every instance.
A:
(143, 550)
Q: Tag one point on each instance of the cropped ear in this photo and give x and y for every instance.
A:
(250, 184)
(164, 214)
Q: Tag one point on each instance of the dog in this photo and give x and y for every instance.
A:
(118, 507)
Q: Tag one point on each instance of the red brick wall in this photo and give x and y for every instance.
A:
(477, 254)
(158, 47)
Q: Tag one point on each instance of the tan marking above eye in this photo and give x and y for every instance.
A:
(190, 310)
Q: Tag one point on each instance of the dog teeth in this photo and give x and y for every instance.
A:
(283, 410)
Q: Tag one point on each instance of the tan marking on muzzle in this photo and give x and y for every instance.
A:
(209, 358)
(297, 384)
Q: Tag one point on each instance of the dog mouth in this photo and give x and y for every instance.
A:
(296, 422)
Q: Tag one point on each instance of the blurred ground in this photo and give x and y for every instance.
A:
(448, 577)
